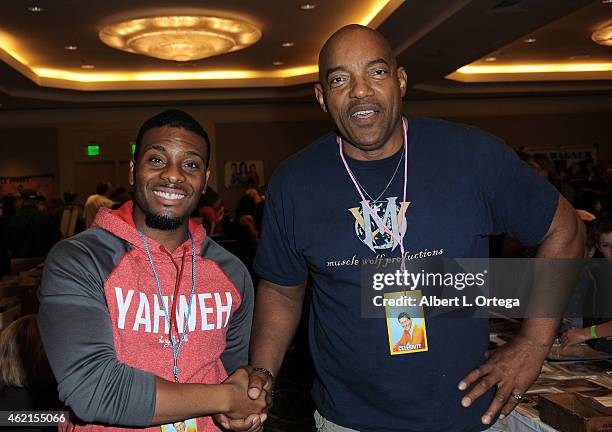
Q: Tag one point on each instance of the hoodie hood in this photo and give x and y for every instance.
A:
(121, 223)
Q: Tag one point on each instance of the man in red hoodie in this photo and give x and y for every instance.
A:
(143, 316)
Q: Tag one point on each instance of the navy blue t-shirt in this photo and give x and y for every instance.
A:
(463, 185)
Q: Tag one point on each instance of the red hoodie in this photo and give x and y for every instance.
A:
(139, 325)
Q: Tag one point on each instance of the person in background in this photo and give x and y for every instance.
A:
(32, 232)
(597, 329)
(260, 201)
(8, 212)
(212, 211)
(26, 381)
(589, 205)
(97, 201)
(580, 335)
(119, 197)
(245, 215)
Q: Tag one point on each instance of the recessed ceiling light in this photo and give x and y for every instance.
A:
(530, 40)
(287, 44)
(307, 6)
(87, 66)
(278, 63)
(71, 47)
(35, 9)
(490, 59)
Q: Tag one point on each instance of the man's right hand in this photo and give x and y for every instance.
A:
(240, 405)
(253, 422)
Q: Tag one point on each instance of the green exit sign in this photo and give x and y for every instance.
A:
(93, 150)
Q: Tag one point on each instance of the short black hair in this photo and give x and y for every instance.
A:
(601, 226)
(102, 188)
(172, 118)
(403, 315)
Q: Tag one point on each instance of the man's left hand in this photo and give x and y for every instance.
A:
(252, 423)
(512, 368)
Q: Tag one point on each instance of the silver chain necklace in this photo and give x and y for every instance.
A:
(388, 184)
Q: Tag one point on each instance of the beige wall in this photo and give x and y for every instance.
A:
(29, 152)
(563, 130)
(246, 130)
(271, 142)
(271, 132)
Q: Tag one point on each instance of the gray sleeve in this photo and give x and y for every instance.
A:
(236, 353)
(76, 331)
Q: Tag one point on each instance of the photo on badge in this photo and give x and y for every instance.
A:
(189, 425)
(405, 322)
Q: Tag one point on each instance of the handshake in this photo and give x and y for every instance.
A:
(249, 393)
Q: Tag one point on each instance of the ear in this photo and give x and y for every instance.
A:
(131, 174)
(318, 89)
(206, 182)
(402, 77)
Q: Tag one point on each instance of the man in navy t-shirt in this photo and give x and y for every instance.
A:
(386, 186)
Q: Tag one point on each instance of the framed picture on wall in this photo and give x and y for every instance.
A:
(243, 174)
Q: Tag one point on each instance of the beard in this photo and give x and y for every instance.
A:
(163, 223)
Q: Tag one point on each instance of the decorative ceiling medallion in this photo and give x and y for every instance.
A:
(180, 38)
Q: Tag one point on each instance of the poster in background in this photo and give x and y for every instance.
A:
(41, 184)
(578, 159)
(243, 174)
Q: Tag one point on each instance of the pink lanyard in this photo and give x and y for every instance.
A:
(398, 237)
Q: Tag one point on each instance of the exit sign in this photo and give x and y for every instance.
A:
(93, 150)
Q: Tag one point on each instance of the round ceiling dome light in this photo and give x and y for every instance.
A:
(603, 36)
(180, 38)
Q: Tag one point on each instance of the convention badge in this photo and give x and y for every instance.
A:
(181, 426)
(405, 322)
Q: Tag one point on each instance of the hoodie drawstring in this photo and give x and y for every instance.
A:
(177, 285)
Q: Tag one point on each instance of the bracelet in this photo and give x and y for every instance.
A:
(594, 332)
(265, 372)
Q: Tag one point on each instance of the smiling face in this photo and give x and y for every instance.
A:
(361, 88)
(405, 323)
(169, 177)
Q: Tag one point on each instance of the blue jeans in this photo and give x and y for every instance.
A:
(324, 425)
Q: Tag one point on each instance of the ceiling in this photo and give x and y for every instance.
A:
(444, 45)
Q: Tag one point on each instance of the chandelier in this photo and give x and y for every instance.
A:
(180, 38)
(603, 36)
